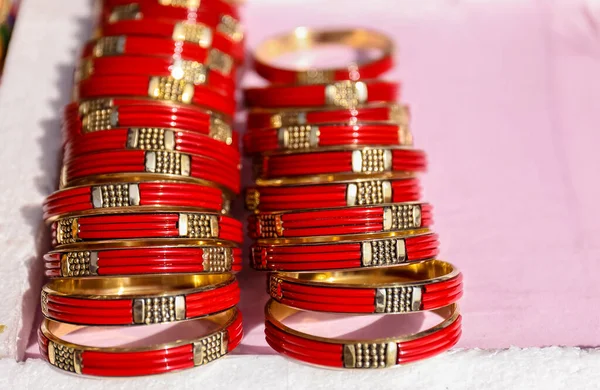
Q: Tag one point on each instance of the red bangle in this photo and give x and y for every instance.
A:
(345, 254)
(176, 298)
(104, 114)
(342, 221)
(159, 88)
(152, 139)
(362, 354)
(366, 160)
(117, 45)
(138, 196)
(93, 228)
(305, 39)
(265, 118)
(346, 94)
(189, 71)
(203, 257)
(125, 361)
(184, 31)
(310, 137)
(156, 165)
(359, 193)
(420, 286)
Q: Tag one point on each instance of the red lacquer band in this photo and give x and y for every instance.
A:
(105, 114)
(159, 88)
(198, 33)
(154, 359)
(157, 164)
(92, 228)
(341, 221)
(305, 39)
(368, 160)
(322, 136)
(346, 94)
(190, 71)
(420, 287)
(380, 251)
(88, 262)
(265, 118)
(356, 193)
(360, 354)
(133, 196)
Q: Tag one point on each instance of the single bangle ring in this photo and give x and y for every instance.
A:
(203, 257)
(378, 251)
(155, 359)
(93, 228)
(303, 38)
(355, 193)
(341, 221)
(363, 354)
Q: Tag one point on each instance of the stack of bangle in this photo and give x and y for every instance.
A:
(141, 231)
(337, 217)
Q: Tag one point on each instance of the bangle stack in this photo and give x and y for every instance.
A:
(337, 218)
(141, 229)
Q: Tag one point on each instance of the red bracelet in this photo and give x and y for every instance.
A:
(189, 71)
(361, 354)
(346, 94)
(366, 160)
(203, 257)
(342, 221)
(160, 88)
(305, 39)
(138, 196)
(117, 45)
(156, 165)
(152, 139)
(197, 33)
(93, 228)
(93, 301)
(310, 137)
(419, 287)
(125, 361)
(104, 114)
(265, 118)
(357, 193)
(345, 254)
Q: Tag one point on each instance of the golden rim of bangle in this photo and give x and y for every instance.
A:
(345, 148)
(333, 179)
(141, 244)
(146, 286)
(276, 312)
(414, 274)
(354, 238)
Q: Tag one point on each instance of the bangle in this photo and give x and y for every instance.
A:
(357, 193)
(189, 71)
(413, 287)
(364, 354)
(157, 165)
(117, 45)
(160, 88)
(342, 221)
(305, 39)
(185, 31)
(125, 361)
(268, 118)
(346, 94)
(133, 196)
(377, 251)
(204, 256)
(152, 139)
(138, 300)
(100, 227)
(367, 160)
(105, 114)
(323, 136)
